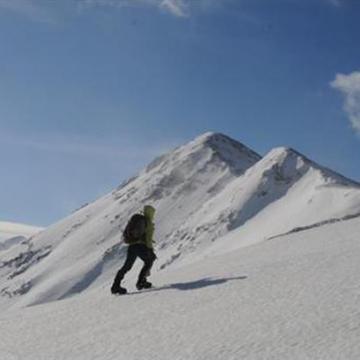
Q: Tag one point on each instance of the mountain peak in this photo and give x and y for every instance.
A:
(229, 150)
(285, 151)
(293, 162)
(212, 138)
(283, 163)
(234, 154)
(205, 137)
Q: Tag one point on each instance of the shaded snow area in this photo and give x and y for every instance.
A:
(257, 259)
(293, 297)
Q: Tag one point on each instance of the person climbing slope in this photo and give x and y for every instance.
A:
(138, 234)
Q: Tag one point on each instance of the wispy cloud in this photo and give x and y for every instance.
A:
(334, 2)
(115, 149)
(33, 10)
(48, 11)
(178, 8)
(349, 86)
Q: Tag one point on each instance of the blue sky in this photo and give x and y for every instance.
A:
(92, 90)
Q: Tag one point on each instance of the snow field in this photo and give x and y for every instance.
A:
(294, 297)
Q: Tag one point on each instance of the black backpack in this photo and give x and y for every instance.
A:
(135, 229)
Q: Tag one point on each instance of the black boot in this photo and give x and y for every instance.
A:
(118, 290)
(143, 284)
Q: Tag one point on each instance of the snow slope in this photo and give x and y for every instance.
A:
(282, 191)
(9, 229)
(293, 297)
(212, 194)
(75, 253)
(13, 233)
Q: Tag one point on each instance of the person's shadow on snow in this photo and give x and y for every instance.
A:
(192, 285)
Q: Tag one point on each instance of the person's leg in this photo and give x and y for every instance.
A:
(148, 257)
(129, 262)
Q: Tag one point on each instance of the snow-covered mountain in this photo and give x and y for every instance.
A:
(282, 192)
(212, 195)
(13, 233)
(10, 229)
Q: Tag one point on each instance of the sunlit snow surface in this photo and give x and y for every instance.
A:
(13, 233)
(9, 230)
(294, 297)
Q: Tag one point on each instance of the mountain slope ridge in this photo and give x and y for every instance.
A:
(212, 194)
(281, 191)
(176, 185)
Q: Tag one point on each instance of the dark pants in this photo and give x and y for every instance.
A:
(145, 254)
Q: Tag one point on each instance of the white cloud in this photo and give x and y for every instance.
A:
(49, 10)
(177, 8)
(349, 86)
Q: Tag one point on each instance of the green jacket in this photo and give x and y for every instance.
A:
(149, 213)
